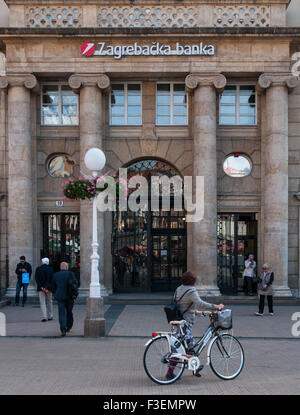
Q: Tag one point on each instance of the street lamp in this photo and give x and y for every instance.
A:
(94, 324)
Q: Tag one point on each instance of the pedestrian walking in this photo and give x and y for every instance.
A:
(44, 285)
(265, 289)
(249, 275)
(23, 271)
(64, 285)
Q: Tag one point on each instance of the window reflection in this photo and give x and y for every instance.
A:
(237, 165)
(238, 105)
(59, 105)
(125, 104)
(61, 166)
(171, 104)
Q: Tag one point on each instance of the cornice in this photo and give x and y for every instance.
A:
(24, 32)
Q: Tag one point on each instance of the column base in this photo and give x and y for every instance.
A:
(85, 292)
(282, 291)
(94, 323)
(208, 291)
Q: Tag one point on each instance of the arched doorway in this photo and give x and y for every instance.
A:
(149, 247)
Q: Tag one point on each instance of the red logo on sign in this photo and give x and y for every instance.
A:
(87, 48)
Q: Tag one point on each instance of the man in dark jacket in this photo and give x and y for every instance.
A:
(62, 281)
(23, 267)
(44, 284)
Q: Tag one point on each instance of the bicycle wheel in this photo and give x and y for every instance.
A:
(157, 362)
(226, 356)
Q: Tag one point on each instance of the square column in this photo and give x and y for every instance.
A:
(203, 249)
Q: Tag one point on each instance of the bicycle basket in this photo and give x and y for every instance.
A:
(224, 320)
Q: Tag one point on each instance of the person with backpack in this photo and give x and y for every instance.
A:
(65, 289)
(188, 300)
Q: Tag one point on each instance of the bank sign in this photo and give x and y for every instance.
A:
(155, 49)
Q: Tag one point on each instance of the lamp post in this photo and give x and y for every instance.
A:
(94, 323)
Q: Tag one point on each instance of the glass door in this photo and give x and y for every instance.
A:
(61, 240)
(169, 260)
(237, 238)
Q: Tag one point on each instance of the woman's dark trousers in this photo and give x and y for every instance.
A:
(262, 303)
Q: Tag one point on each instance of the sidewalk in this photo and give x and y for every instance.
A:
(141, 320)
(36, 360)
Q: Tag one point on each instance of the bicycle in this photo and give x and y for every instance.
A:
(225, 354)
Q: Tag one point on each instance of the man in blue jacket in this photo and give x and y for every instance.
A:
(23, 267)
(62, 281)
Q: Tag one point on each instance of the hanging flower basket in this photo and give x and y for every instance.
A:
(79, 189)
(87, 188)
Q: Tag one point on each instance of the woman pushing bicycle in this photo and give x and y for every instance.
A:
(188, 299)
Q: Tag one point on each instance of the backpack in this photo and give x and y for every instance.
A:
(72, 289)
(172, 310)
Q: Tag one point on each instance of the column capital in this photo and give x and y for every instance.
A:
(214, 79)
(76, 81)
(286, 79)
(27, 80)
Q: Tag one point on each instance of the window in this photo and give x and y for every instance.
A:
(237, 165)
(60, 165)
(59, 105)
(238, 105)
(126, 104)
(171, 104)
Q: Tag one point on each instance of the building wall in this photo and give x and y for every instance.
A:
(3, 194)
(294, 187)
(292, 14)
(60, 57)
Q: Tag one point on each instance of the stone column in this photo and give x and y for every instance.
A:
(20, 180)
(275, 180)
(90, 89)
(203, 247)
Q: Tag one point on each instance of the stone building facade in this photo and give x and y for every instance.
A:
(214, 97)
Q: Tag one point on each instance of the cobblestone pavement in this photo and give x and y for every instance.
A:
(35, 360)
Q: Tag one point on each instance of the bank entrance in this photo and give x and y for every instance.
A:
(149, 247)
(61, 239)
(237, 238)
